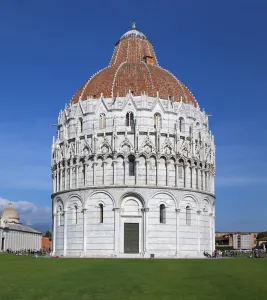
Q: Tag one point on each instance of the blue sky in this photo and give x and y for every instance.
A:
(217, 48)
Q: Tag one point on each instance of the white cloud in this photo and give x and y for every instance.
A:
(236, 180)
(28, 212)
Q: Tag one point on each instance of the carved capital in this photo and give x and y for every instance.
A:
(199, 212)
(84, 211)
(118, 209)
(145, 209)
(177, 210)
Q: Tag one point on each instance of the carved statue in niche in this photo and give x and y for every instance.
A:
(85, 151)
(65, 131)
(61, 152)
(147, 145)
(186, 148)
(72, 150)
(197, 150)
(126, 146)
(167, 146)
(105, 145)
(67, 150)
(86, 148)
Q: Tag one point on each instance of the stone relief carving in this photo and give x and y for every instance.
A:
(126, 146)
(105, 146)
(167, 147)
(147, 145)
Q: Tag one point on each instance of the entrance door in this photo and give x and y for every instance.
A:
(3, 244)
(131, 237)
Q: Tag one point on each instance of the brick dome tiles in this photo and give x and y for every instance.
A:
(134, 67)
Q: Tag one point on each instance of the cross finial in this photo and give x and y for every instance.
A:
(133, 24)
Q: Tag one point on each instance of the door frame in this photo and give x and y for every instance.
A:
(138, 238)
(138, 220)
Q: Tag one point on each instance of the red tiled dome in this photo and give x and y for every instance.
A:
(134, 67)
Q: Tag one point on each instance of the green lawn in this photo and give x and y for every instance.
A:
(80, 279)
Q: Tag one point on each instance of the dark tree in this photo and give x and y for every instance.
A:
(48, 234)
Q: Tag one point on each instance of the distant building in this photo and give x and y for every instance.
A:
(15, 236)
(46, 243)
(237, 240)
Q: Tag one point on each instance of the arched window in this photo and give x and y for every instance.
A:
(188, 215)
(181, 124)
(131, 165)
(102, 121)
(157, 121)
(75, 220)
(190, 131)
(199, 137)
(162, 213)
(81, 124)
(101, 213)
(130, 120)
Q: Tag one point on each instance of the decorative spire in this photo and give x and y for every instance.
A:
(9, 204)
(133, 24)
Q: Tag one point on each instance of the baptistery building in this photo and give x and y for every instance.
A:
(133, 163)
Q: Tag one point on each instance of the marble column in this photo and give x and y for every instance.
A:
(185, 174)
(114, 171)
(84, 232)
(147, 170)
(177, 210)
(157, 172)
(71, 166)
(126, 168)
(145, 231)
(65, 233)
(77, 174)
(136, 171)
(94, 172)
(66, 175)
(54, 233)
(85, 172)
(167, 173)
(198, 232)
(177, 174)
(193, 179)
(104, 172)
(54, 181)
(213, 232)
(58, 179)
(61, 178)
(117, 229)
(197, 178)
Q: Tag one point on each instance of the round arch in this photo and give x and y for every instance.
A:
(97, 192)
(132, 194)
(193, 198)
(56, 202)
(71, 196)
(163, 202)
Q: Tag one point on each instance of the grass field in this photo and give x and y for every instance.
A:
(82, 279)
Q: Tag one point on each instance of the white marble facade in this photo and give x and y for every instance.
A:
(139, 160)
